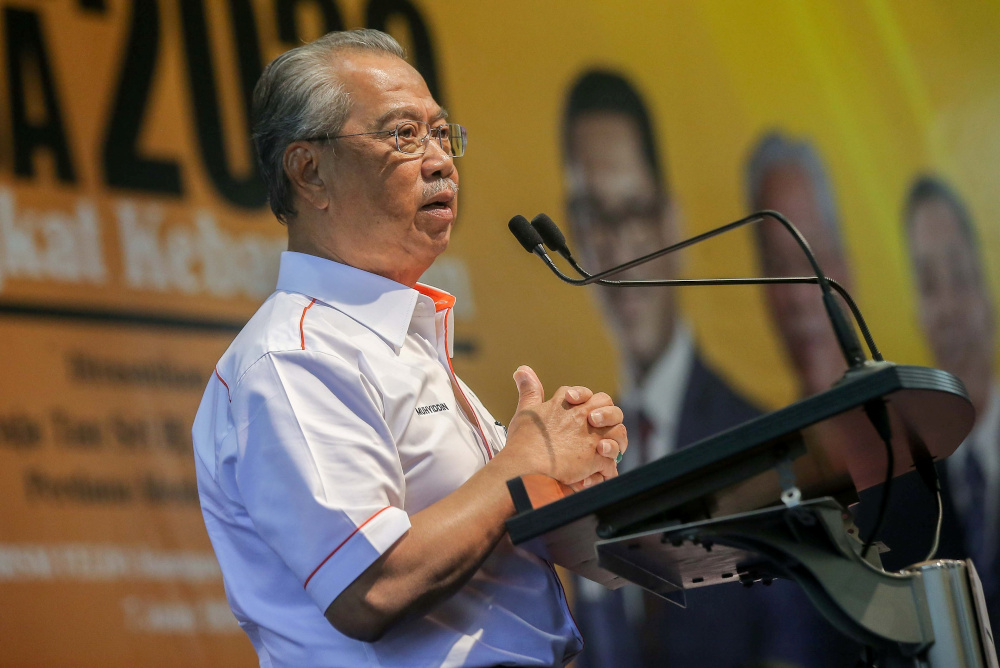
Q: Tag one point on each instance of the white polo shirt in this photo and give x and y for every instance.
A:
(330, 419)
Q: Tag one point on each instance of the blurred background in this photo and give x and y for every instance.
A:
(135, 240)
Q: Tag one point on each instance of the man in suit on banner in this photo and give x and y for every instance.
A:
(786, 174)
(957, 315)
(620, 208)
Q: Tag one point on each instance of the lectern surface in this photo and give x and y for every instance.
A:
(930, 415)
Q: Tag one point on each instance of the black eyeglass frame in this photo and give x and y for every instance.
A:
(431, 131)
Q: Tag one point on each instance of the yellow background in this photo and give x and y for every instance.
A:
(886, 90)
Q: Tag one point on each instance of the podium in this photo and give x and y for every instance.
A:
(766, 499)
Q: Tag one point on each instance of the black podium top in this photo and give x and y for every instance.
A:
(930, 415)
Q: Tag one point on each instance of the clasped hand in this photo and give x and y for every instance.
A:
(574, 437)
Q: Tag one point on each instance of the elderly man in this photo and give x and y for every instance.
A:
(353, 487)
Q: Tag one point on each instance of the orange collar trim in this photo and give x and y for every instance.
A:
(442, 300)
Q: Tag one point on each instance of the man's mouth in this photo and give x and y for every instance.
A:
(441, 206)
(441, 200)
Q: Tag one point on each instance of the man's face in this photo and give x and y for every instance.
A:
(391, 213)
(797, 310)
(955, 309)
(619, 212)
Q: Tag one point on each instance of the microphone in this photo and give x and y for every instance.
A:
(555, 240)
(531, 240)
(551, 234)
(542, 229)
(526, 235)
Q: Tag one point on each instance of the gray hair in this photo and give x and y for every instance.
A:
(298, 96)
(777, 150)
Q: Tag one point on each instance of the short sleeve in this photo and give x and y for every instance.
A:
(317, 468)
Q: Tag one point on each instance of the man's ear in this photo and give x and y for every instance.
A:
(302, 165)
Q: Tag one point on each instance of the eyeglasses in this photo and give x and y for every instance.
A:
(590, 212)
(412, 136)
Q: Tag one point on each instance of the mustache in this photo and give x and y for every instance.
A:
(440, 185)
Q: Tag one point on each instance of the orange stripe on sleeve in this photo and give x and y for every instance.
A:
(362, 526)
(302, 331)
(221, 380)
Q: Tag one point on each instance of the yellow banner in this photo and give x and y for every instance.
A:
(135, 239)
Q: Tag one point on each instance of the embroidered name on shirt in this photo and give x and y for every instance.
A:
(433, 408)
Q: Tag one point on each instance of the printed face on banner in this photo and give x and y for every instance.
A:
(954, 306)
(390, 213)
(797, 310)
(619, 212)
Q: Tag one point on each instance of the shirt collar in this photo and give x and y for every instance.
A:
(380, 304)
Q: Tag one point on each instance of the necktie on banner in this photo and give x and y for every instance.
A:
(640, 438)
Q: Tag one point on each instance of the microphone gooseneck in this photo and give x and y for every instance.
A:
(545, 230)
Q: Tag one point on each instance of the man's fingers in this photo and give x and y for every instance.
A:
(577, 395)
(609, 469)
(608, 448)
(605, 417)
(619, 435)
(529, 388)
(589, 481)
(601, 399)
(573, 418)
(606, 469)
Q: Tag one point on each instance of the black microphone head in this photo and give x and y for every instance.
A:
(550, 233)
(524, 233)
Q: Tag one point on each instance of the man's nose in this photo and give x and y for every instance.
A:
(436, 162)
